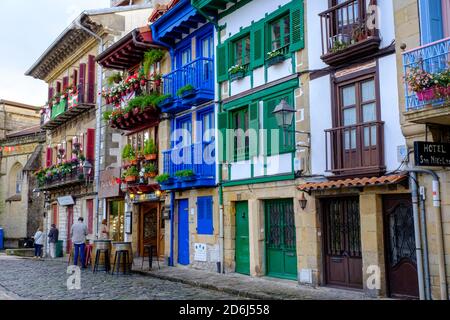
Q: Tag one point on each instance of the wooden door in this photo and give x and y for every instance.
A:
(400, 247)
(183, 232)
(69, 226)
(55, 215)
(342, 242)
(242, 239)
(149, 226)
(281, 254)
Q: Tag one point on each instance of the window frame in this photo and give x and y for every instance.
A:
(205, 226)
(242, 39)
(242, 112)
(270, 24)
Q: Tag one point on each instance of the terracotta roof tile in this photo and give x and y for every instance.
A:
(352, 183)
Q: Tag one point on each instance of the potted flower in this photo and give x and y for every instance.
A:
(157, 79)
(163, 178)
(185, 175)
(186, 91)
(274, 57)
(114, 78)
(236, 72)
(150, 150)
(151, 57)
(165, 100)
(359, 33)
(127, 154)
(131, 174)
(421, 82)
(150, 170)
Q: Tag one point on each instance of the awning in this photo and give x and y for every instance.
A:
(128, 51)
(353, 183)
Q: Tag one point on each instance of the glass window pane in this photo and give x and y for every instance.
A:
(369, 112)
(287, 31)
(349, 116)
(350, 139)
(349, 96)
(247, 50)
(368, 91)
(238, 52)
(370, 136)
(276, 35)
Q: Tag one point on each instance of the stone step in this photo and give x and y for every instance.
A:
(20, 252)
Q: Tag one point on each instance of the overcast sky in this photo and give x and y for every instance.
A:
(27, 28)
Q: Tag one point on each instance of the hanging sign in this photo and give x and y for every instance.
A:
(429, 154)
(66, 201)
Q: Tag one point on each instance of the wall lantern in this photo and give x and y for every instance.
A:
(303, 202)
(87, 168)
(284, 114)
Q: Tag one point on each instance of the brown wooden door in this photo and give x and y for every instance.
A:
(149, 226)
(400, 247)
(342, 242)
(69, 226)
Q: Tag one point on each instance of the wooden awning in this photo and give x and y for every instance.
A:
(128, 51)
(353, 183)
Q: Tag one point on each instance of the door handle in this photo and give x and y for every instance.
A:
(243, 215)
(290, 254)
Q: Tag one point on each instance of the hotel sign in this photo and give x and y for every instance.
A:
(428, 154)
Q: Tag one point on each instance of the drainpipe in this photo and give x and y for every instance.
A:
(419, 257)
(426, 264)
(439, 233)
(172, 215)
(98, 119)
(221, 227)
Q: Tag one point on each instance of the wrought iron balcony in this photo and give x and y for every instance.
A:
(434, 59)
(74, 176)
(200, 75)
(356, 149)
(198, 158)
(347, 32)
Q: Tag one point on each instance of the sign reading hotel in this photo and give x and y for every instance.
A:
(428, 154)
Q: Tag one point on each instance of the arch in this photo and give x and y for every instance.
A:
(16, 177)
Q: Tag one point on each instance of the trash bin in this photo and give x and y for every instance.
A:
(59, 249)
(1, 239)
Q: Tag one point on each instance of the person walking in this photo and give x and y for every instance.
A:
(53, 236)
(79, 232)
(38, 243)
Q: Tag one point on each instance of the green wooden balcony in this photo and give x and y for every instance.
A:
(213, 7)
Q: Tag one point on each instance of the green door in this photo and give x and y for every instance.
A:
(281, 256)
(242, 239)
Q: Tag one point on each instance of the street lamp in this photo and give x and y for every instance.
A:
(87, 168)
(284, 114)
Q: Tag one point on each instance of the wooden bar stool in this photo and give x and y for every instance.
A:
(106, 262)
(122, 258)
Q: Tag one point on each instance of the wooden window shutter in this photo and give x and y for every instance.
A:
(75, 78)
(90, 215)
(82, 83)
(224, 153)
(90, 145)
(205, 215)
(50, 93)
(297, 26)
(65, 83)
(49, 158)
(431, 21)
(257, 48)
(222, 62)
(91, 80)
(254, 129)
(58, 87)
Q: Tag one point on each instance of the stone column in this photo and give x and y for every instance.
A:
(256, 237)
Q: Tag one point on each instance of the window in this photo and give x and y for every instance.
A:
(205, 215)
(242, 51)
(19, 180)
(116, 220)
(90, 215)
(183, 135)
(280, 33)
(207, 126)
(240, 124)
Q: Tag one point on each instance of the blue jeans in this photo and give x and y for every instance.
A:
(79, 250)
(38, 250)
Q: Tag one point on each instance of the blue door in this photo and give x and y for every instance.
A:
(183, 232)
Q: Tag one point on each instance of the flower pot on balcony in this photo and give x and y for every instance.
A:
(166, 101)
(134, 162)
(188, 93)
(237, 75)
(150, 175)
(130, 179)
(426, 95)
(158, 83)
(275, 60)
(143, 83)
(151, 157)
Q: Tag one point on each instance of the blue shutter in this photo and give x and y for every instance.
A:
(205, 215)
(431, 22)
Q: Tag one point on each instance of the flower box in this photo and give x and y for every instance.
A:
(151, 157)
(166, 101)
(426, 95)
(130, 179)
(188, 93)
(275, 60)
(237, 75)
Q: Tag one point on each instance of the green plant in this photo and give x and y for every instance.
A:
(162, 98)
(132, 172)
(128, 152)
(162, 178)
(150, 168)
(338, 46)
(148, 101)
(184, 89)
(184, 173)
(107, 115)
(114, 78)
(150, 147)
(236, 69)
(274, 53)
(151, 57)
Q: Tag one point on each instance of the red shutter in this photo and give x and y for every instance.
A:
(90, 215)
(49, 160)
(65, 83)
(75, 78)
(91, 80)
(58, 87)
(50, 93)
(90, 145)
(82, 83)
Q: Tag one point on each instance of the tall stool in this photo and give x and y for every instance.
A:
(150, 251)
(88, 255)
(106, 263)
(122, 258)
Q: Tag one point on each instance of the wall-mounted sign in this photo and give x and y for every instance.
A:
(66, 201)
(145, 197)
(128, 223)
(200, 252)
(429, 154)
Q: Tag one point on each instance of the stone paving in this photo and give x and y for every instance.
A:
(46, 280)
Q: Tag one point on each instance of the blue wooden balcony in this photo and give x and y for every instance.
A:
(195, 157)
(433, 58)
(200, 75)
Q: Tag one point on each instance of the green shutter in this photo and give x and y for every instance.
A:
(270, 123)
(254, 129)
(223, 126)
(297, 26)
(222, 62)
(257, 48)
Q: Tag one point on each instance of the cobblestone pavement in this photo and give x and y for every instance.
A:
(46, 280)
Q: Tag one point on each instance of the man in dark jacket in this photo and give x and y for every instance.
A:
(52, 240)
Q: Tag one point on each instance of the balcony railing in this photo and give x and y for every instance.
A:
(346, 32)
(199, 74)
(199, 158)
(74, 176)
(432, 58)
(355, 149)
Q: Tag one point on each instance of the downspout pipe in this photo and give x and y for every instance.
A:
(439, 232)
(172, 215)
(426, 263)
(98, 119)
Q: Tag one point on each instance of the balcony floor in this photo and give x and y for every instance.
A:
(66, 116)
(430, 115)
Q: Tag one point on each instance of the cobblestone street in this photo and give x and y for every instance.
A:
(46, 280)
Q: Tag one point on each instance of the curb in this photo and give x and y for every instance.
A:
(236, 292)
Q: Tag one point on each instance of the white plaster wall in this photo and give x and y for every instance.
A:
(320, 113)
(280, 70)
(241, 170)
(135, 19)
(390, 113)
(241, 85)
(386, 22)
(279, 164)
(258, 77)
(314, 35)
